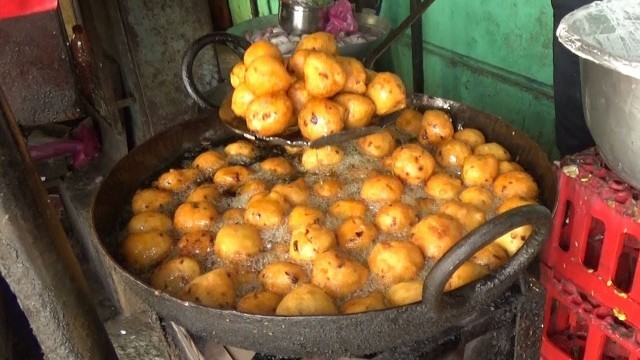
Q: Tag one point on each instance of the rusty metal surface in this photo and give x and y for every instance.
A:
(158, 33)
(38, 263)
(35, 70)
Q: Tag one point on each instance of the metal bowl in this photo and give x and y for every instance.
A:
(298, 20)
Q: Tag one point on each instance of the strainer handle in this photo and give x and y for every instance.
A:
(237, 44)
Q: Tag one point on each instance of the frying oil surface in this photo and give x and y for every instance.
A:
(351, 172)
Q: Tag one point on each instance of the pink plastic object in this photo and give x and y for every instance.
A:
(17, 8)
(591, 263)
(83, 146)
(341, 19)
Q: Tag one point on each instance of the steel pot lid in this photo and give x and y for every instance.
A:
(605, 32)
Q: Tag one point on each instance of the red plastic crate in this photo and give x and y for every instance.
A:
(578, 326)
(594, 240)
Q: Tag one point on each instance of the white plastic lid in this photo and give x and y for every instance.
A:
(605, 32)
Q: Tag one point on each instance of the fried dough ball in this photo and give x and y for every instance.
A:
(359, 304)
(240, 100)
(307, 243)
(323, 75)
(355, 233)
(267, 75)
(149, 221)
(172, 276)
(477, 196)
(436, 234)
(281, 277)
(377, 145)
(307, 299)
(231, 177)
(395, 218)
(238, 242)
(295, 193)
(143, 250)
(387, 92)
(436, 127)
(479, 170)
(356, 75)
(233, 216)
(178, 179)
(452, 153)
(470, 136)
(266, 210)
(359, 109)
(494, 149)
(150, 199)
(347, 208)
(242, 149)
(515, 183)
(270, 114)
(507, 166)
(299, 96)
(209, 161)
(259, 303)
(261, 48)
(321, 117)
(410, 122)
(193, 216)
(296, 62)
(319, 159)
(513, 241)
(443, 186)
(328, 188)
(492, 256)
(196, 243)
(382, 188)
(338, 274)
(319, 41)
(405, 293)
(412, 163)
(467, 273)
(215, 289)
(204, 193)
(303, 216)
(237, 74)
(252, 187)
(468, 215)
(278, 166)
(395, 261)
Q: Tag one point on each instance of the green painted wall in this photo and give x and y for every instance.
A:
(494, 55)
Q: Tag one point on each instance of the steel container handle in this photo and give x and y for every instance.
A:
(491, 286)
(238, 44)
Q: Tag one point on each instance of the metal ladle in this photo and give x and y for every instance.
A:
(291, 137)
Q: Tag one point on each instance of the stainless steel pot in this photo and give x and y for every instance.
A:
(604, 35)
(611, 103)
(298, 20)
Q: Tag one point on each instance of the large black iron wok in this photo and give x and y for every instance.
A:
(343, 334)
